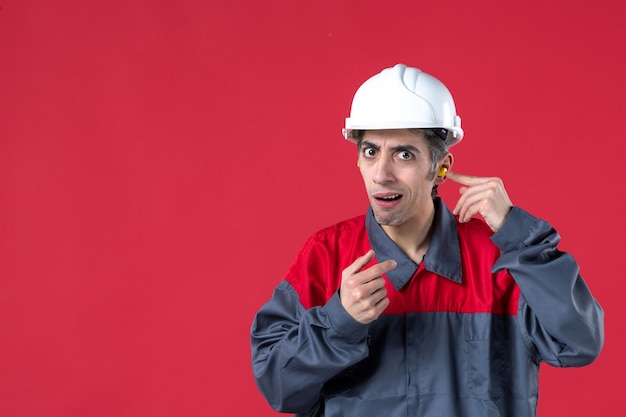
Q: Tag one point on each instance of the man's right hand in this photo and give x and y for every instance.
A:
(363, 293)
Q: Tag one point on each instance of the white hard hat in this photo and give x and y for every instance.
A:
(403, 97)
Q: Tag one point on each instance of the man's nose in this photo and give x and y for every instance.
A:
(383, 171)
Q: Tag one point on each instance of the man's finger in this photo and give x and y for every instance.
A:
(463, 179)
(360, 262)
(383, 267)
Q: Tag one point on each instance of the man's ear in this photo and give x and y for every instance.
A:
(444, 165)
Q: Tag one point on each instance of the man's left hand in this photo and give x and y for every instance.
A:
(483, 195)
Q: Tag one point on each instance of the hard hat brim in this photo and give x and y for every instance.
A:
(455, 134)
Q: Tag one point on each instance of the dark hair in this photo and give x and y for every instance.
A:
(437, 146)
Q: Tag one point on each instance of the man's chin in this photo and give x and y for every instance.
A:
(387, 219)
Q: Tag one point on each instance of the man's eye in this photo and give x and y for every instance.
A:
(405, 155)
(369, 151)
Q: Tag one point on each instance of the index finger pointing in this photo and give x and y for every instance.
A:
(463, 179)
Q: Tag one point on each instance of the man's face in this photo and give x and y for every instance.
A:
(397, 170)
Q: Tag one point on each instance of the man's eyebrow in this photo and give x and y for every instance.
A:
(410, 148)
(367, 144)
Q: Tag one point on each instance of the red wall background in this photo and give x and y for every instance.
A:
(162, 162)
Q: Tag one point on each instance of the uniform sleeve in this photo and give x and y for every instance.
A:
(556, 310)
(296, 350)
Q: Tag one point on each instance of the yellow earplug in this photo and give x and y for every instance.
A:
(443, 171)
(358, 164)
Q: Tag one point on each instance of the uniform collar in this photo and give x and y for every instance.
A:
(443, 256)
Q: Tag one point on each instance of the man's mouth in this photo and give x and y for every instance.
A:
(392, 197)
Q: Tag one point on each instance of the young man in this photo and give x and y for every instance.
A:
(413, 310)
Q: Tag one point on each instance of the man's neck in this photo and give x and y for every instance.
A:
(413, 237)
